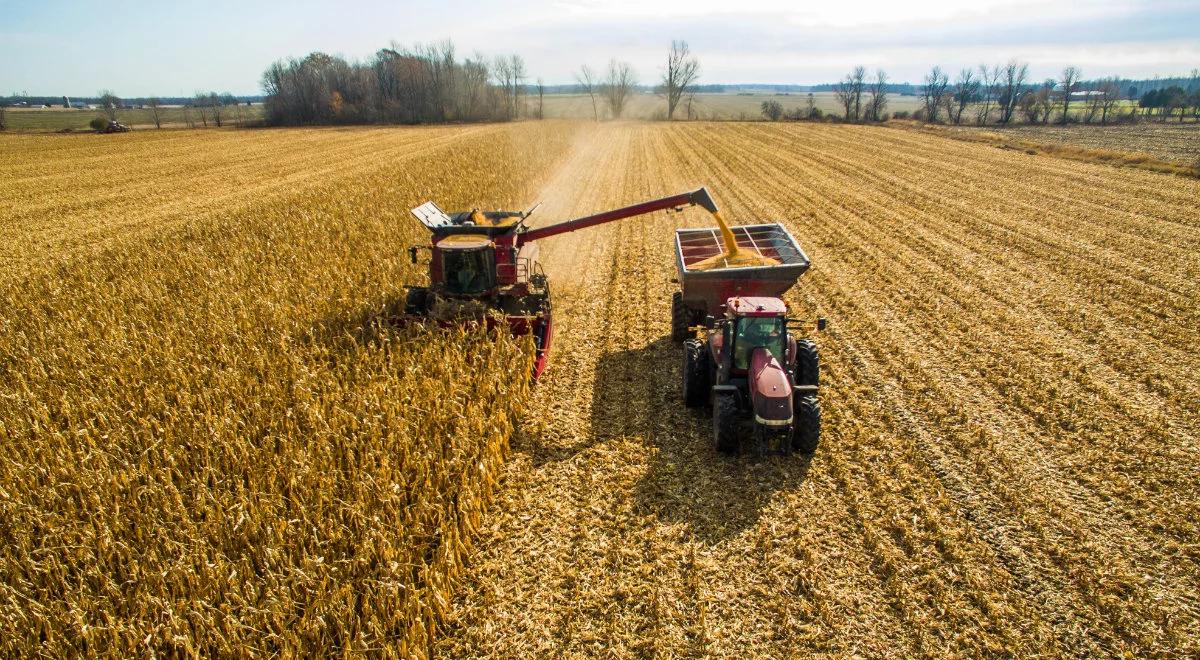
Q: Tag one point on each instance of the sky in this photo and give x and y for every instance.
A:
(52, 47)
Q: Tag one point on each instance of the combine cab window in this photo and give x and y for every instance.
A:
(753, 332)
(469, 271)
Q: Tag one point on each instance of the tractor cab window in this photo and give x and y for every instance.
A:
(752, 332)
(468, 271)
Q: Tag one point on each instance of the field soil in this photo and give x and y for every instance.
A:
(1170, 142)
(198, 419)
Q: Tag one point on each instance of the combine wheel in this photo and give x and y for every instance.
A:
(695, 373)
(808, 364)
(806, 425)
(725, 423)
(681, 318)
(416, 302)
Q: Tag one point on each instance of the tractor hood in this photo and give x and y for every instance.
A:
(770, 390)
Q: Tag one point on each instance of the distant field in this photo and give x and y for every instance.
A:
(1170, 142)
(707, 106)
(57, 119)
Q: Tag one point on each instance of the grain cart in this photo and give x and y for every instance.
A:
(484, 266)
(740, 355)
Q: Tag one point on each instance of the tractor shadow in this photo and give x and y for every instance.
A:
(637, 398)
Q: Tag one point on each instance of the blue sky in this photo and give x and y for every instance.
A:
(168, 48)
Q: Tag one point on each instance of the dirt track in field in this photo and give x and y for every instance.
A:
(1009, 460)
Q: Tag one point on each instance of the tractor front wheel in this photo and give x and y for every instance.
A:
(695, 373)
(725, 423)
(806, 424)
(808, 363)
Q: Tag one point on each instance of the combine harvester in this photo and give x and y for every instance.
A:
(739, 355)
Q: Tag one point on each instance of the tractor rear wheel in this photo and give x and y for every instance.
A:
(681, 318)
(695, 373)
(808, 363)
(806, 424)
(725, 423)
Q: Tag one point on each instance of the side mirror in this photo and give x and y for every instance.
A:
(821, 323)
(412, 253)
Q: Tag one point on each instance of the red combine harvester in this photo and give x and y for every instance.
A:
(487, 261)
(739, 354)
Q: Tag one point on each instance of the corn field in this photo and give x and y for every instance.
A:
(214, 441)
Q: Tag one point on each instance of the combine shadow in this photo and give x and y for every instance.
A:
(637, 399)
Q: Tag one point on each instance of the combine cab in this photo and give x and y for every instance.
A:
(740, 356)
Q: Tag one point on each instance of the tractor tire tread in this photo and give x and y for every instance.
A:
(806, 429)
(725, 423)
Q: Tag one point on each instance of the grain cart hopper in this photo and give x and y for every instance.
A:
(484, 265)
(740, 355)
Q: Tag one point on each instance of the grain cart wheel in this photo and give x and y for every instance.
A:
(695, 373)
(806, 425)
(808, 363)
(725, 422)
(681, 318)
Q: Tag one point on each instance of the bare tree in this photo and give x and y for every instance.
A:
(1068, 81)
(3, 117)
(1092, 103)
(541, 92)
(473, 87)
(201, 102)
(216, 105)
(877, 104)
(1037, 104)
(810, 106)
(858, 77)
(844, 91)
(690, 100)
(966, 87)
(936, 82)
(991, 82)
(504, 80)
(1010, 84)
(110, 103)
(519, 74)
(153, 103)
(682, 71)
(187, 116)
(620, 84)
(510, 72)
(1110, 96)
(587, 80)
(772, 110)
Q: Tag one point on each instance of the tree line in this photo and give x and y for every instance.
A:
(425, 83)
(1003, 94)
(430, 84)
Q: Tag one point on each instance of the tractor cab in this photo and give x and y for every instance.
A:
(750, 323)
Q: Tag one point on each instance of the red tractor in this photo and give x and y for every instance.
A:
(740, 355)
(486, 261)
